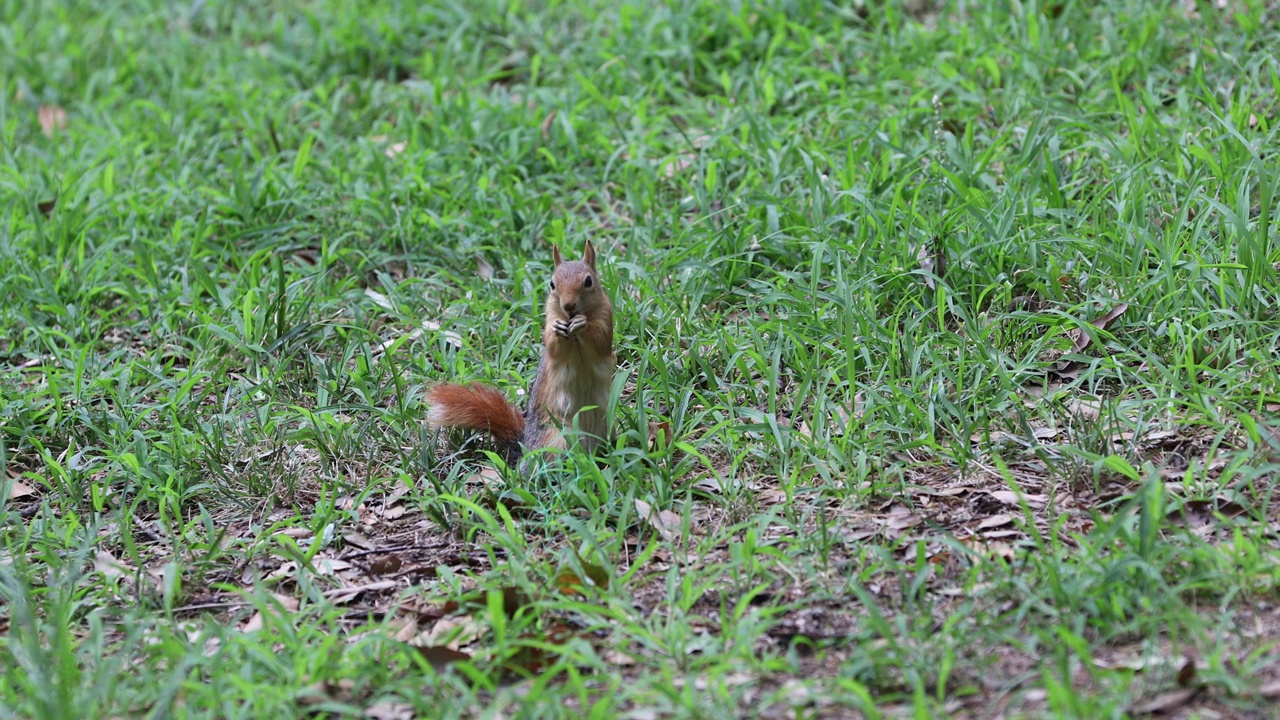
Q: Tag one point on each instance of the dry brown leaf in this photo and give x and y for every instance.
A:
(449, 336)
(932, 260)
(386, 564)
(772, 497)
(286, 569)
(994, 521)
(440, 656)
(394, 149)
(1187, 674)
(617, 658)
(342, 596)
(1008, 497)
(1044, 433)
(1085, 409)
(379, 299)
(107, 564)
(390, 710)
(488, 477)
(713, 484)
(844, 419)
(545, 126)
(665, 522)
(1165, 702)
(253, 624)
(329, 566)
(19, 490)
(1270, 690)
(406, 629)
(483, 269)
(659, 436)
(676, 166)
(46, 206)
(569, 583)
(52, 118)
(452, 632)
(902, 522)
(1069, 369)
(358, 540)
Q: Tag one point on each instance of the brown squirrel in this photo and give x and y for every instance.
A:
(575, 372)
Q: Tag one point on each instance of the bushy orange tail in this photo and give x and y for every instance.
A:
(475, 407)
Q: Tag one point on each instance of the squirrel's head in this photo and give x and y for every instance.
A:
(575, 284)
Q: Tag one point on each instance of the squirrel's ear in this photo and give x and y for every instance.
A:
(589, 255)
(555, 255)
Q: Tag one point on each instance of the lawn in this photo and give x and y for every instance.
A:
(947, 342)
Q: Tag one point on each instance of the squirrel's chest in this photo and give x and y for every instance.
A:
(575, 385)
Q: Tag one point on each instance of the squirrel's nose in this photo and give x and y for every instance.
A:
(569, 307)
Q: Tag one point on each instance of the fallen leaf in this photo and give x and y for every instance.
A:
(994, 521)
(19, 490)
(390, 710)
(803, 429)
(545, 127)
(665, 522)
(452, 632)
(618, 658)
(286, 569)
(659, 436)
(385, 565)
(902, 522)
(676, 166)
(107, 564)
(1270, 690)
(483, 269)
(253, 624)
(932, 260)
(1085, 409)
(329, 566)
(1009, 497)
(46, 206)
(569, 583)
(1044, 433)
(343, 595)
(358, 540)
(379, 299)
(440, 656)
(449, 336)
(1165, 702)
(1068, 369)
(1187, 674)
(713, 484)
(51, 118)
(394, 149)
(533, 658)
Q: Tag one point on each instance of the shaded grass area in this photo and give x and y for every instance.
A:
(890, 454)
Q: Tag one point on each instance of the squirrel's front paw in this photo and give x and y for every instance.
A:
(561, 328)
(577, 323)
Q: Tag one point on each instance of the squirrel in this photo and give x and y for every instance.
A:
(575, 372)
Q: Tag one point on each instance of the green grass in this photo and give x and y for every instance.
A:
(264, 228)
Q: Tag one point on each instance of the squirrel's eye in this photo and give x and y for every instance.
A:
(553, 284)
(587, 282)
